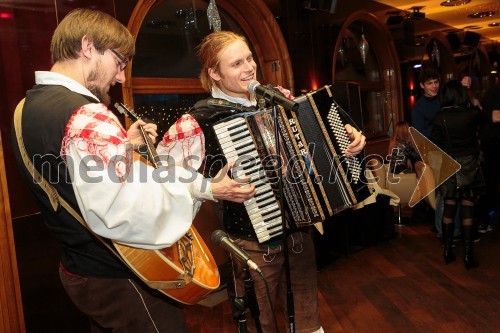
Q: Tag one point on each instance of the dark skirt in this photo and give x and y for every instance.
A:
(468, 182)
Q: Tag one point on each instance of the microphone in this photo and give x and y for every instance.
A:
(219, 237)
(271, 95)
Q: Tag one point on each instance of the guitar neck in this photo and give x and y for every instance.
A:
(150, 149)
(149, 146)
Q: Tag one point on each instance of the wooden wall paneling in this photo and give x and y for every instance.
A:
(11, 309)
(23, 47)
(151, 85)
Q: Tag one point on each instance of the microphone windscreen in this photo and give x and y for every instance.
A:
(252, 85)
(217, 236)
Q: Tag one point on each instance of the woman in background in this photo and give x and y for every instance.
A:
(455, 131)
(402, 151)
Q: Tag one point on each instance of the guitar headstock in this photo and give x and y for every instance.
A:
(127, 111)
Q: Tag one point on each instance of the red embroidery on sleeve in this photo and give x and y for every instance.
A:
(97, 132)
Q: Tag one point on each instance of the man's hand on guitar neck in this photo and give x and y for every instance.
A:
(134, 132)
(225, 188)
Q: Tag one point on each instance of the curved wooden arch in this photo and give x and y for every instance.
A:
(265, 37)
(380, 40)
(447, 66)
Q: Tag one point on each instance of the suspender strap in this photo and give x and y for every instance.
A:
(49, 189)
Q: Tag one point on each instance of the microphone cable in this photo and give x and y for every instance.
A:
(270, 301)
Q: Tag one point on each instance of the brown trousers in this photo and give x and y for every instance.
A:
(302, 276)
(122, 305)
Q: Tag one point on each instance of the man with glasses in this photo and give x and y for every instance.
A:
(122, 62)
(71, 136)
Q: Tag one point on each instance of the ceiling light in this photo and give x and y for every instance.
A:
(451, 3)
(416, 14)
(481, 14)
(472, 27)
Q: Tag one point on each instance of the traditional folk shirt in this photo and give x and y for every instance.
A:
(80, 146)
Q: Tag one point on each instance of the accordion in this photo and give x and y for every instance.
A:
(318, 179)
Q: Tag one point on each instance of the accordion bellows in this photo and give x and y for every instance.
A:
(318, 179)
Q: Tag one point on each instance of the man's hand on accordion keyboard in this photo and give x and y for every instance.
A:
(225, 188)
(358, 141)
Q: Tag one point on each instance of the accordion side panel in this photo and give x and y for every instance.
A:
(324, 99)
(326, 137)
(351, 167)
(323, 154)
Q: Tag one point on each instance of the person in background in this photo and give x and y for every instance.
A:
(78, 144)
(427, 106)
(455, 131)
(423, 113)
(489, 137)
(227, 67)
(402, 151)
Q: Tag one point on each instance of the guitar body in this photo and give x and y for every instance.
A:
(186, 271)
(155, 267)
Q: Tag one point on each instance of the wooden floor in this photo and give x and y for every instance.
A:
(400, 285)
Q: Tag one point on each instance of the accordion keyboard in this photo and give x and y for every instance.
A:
(343, 141)
(238, 148)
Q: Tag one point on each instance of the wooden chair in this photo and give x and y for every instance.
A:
(410, 187)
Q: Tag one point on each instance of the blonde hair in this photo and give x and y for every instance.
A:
(209, 51)
(103, 30)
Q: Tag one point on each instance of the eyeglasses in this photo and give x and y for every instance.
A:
(123, 60)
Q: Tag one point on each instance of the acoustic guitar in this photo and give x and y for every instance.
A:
(186, 271)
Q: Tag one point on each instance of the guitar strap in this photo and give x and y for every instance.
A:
(57, 202)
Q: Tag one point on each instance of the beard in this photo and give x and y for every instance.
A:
(95, 76)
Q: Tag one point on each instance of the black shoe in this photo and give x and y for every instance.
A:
(469, 260)
(484, 228)
(449, 255)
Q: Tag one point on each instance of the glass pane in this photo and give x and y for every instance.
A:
(167, 40)
(350, 65)
(164, 109)
(374, 121)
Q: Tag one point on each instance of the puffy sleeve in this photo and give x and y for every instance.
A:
(183, 143)
(119, 195)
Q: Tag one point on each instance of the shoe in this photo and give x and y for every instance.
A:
(482, 229)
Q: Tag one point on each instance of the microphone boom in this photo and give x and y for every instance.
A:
(219, 237)
(271, 96)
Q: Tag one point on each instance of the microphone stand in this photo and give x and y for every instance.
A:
(247, 300)
(289, 292)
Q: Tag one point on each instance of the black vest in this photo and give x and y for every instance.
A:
(46, 112)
